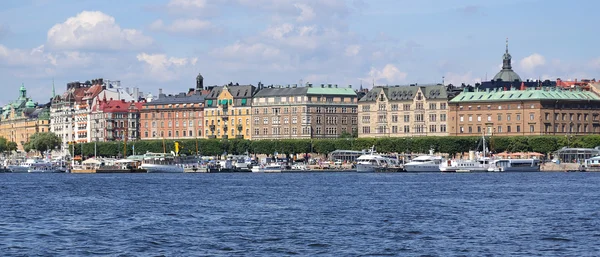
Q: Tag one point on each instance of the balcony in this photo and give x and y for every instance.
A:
(240, 127)
(224, 137)
(225, 128)
(212, 137)
(212, 127)
(239, 136)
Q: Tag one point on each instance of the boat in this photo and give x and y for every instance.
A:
(475, 163)
(514, 165)
(424, 163)
(272, 167)
(374, 162)
(161, 163)
(18, 168)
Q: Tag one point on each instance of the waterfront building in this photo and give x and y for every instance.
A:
(70, 112)
(545, 111)
(177, 116)
(22, 118)
(403, 111)
(115, 120)
(290, 112)
(227, 111)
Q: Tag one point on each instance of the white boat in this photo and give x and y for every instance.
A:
(18, 168)
(374, 162)
(271, 167)
(424, 163)
(477, 162)
(514, 165)
(161, 163)
(478, 165)
(43, 167)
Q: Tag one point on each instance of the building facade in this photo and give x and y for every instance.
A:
(115, 120)
(22, 118)
(227, 111)
(545, 111)
(173, 117)
(403, 111)
(304, 112)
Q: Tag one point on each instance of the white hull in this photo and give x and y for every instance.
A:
(267, 169)
(422, 168)
(365, 168)
(515, 169)
(44, 171)
(157, 168)
(463, 169)
(18, 169)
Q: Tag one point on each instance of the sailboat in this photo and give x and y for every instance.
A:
(475, 163)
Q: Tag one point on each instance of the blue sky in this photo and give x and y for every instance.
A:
(156, 44)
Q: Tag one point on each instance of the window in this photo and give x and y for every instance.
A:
(442, 128)
(518, 128)
(489, 117)
(518, 116)
(508, 129)
(406, 129)
(531, 116)
(406, 117)
(470, 129)
(531, 128)
(443, 106)
(442, 117)
(461, 130)
(366, 130)
(499, 129)
(470, 117)
(461, 118)
(508, 117)
(499, 117)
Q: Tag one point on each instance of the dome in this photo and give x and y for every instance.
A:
(508, 76)
(30, 104)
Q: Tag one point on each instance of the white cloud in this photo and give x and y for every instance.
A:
(352, 50)
(390, 73)
(164, 68)
(306, 12)
(530, 63)
(94, 30)
(187, 4)
(184, 26)
(22, 58)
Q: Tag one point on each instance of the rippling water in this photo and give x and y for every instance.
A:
(337, 214)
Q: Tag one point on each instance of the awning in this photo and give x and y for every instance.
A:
(244, 101)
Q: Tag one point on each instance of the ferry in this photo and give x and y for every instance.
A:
(161, 163)
(514, 165)
(271, 167)
(478, 165)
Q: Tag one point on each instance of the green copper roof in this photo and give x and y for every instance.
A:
(331, 91)
(512, 95)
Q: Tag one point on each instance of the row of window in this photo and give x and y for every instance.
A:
(162, 115)
(407, 107)
(418, 129)
(418, 118)
(571, 116)
(500, 107)
(498, 117)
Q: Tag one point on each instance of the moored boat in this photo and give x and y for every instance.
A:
(515, 165)
(424, 163)
(374, 162)
(161, 163)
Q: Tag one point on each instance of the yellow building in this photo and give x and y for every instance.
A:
(227, 111)
(22, 118)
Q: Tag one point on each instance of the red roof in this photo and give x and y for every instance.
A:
(119, 106)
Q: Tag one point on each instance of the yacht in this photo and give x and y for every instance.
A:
(479, 165)
(476, 162)
(514, 165)
(40, 166)
(424, 163)
(374, 162)
(271, 167)
(161, 163)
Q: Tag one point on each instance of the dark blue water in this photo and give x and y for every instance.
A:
(335, 214)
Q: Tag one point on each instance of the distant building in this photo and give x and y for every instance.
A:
(545, 111)
(177, 116)
(22, 118)
(227, 111)
(303, 112)
(403, 111)
(115, 120)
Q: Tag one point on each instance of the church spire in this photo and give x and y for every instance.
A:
(506, 59)
(53, 91)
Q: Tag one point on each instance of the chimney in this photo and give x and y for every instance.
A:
(322, 85)
(349, 86)
(160, 91)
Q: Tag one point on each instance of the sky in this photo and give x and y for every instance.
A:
(164, 44)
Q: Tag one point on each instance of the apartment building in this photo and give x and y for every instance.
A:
(173, 116)
(227, 111)
(545, 111)
(292, 112)
(22, 118)
(403, 111)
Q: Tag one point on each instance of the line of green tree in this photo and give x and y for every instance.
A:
(449, 145)
(7, 146)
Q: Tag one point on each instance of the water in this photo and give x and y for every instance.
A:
(331, 214)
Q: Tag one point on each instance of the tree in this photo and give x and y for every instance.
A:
(3, 145)
(11, 146)
(44, 141)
